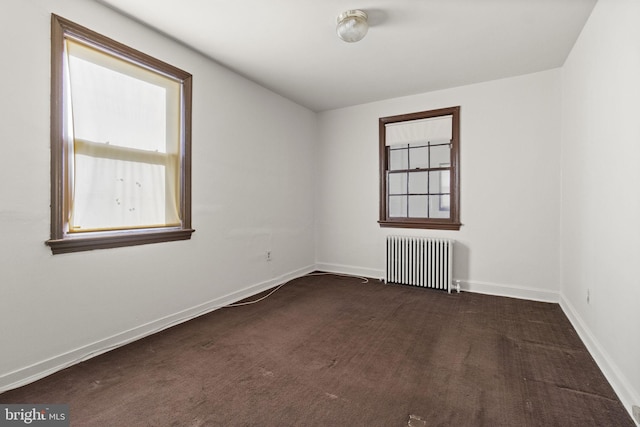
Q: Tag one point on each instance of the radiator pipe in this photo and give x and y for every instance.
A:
(456, 285)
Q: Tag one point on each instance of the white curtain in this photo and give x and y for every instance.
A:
(126, 144)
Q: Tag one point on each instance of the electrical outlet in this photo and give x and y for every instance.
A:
(636, 413)
(268, 255)
(588, 297)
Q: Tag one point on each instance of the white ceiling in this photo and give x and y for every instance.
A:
(413, 46)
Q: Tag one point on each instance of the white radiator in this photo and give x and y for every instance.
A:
(420, 261)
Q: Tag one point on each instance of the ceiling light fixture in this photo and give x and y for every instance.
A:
(352, 25)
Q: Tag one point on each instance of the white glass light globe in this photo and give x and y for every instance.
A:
(352, 25)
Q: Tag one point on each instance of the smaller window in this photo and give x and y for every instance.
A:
(120, 144)
(419, 171)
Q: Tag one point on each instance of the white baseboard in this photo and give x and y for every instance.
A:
(625, 391)
(512, 291)
(36, 371)
(350, 270)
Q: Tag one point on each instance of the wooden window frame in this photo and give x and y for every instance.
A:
(451, 223)
(61, 241)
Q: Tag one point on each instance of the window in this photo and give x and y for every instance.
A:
(120, 144)
(419, 172)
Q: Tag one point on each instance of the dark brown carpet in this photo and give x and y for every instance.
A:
(332, 351)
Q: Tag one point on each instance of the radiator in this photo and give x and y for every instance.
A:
(420, 261)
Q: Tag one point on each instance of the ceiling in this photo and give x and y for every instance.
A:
(413, 46)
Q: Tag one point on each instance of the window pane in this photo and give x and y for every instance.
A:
(438, 182)
(112, 107)
(418, 207)
(398, 183)
(419, 182)
(445, 181)
(444, 205)
(439, 206)
(398, 206)
(115, 194)
(419, 157)
(398, 159)
(440, 156)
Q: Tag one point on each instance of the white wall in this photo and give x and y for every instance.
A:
(510, 185)
(253, 177)
(600, 167)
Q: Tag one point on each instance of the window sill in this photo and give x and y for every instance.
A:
(79, 244)
(433, 225)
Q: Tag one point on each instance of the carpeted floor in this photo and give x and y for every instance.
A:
(332, 351)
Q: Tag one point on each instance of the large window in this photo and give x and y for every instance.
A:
(120, 144)
(419, 171)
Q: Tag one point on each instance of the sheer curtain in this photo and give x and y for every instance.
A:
(419, 131)
(124, 168)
